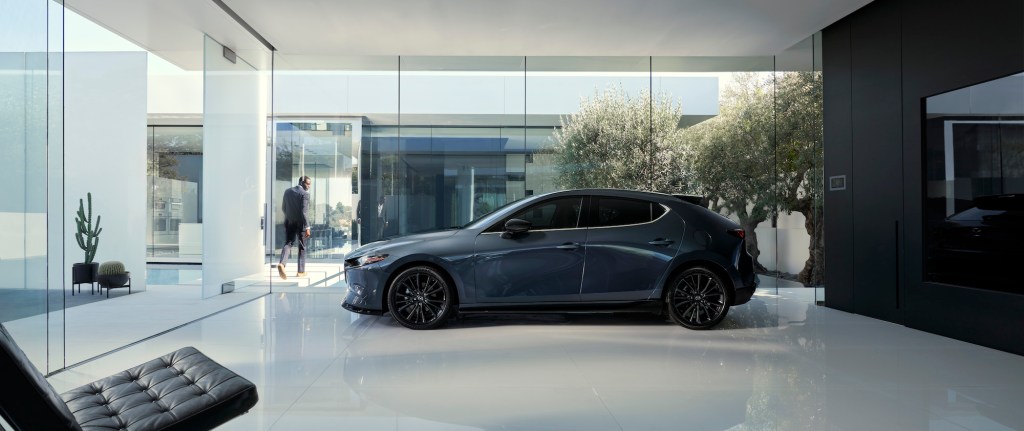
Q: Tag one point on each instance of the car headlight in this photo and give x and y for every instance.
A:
(370, 258)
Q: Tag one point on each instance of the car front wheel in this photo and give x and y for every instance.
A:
(420, 298)
(697, 298)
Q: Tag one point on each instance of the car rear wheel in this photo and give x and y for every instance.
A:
(420, 298)
(697, 298)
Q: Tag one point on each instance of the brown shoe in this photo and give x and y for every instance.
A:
(300, 274)
(280, 271)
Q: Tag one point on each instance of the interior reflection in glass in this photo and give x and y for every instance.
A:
(974, 192)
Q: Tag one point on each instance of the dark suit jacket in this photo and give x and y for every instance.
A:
(295, 206)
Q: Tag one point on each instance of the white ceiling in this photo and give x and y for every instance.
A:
(333, 28)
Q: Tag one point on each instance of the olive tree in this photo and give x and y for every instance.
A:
(762, 155)
(621, 141)
(800, 161)
(732, 156)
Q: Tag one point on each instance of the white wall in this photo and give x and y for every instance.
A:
(105, 153)
(176, 93)
(784, 247)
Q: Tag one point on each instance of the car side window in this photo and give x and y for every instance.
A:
(620, 211)
(559, 213)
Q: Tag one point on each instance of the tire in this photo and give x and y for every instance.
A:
(697, 298)
(420, 298)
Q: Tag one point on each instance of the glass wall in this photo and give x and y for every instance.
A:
(974, 167)
(474, 133)
(31, 103)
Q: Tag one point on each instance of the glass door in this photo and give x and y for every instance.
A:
(234, 136)
(327, 152)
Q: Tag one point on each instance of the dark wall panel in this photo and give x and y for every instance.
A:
(876, 142)
(895, 53)
(948, 45)
(839, 203)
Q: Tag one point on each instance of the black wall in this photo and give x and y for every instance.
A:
(879, 64)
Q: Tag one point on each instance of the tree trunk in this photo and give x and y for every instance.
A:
(751, 240)
(813, 273)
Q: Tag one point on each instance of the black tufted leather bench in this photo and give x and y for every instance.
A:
(183, 390)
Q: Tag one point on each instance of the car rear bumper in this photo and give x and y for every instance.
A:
(744, 293)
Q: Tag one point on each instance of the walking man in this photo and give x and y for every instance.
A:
(296, 225)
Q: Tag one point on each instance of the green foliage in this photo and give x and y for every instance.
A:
(88, 236)
(112, 267)
(619, 141)
(800, 154)
(760, 156)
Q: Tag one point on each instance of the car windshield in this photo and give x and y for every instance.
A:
(487, 218)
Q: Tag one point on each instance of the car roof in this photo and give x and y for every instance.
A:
(612, 192)
(623, 193)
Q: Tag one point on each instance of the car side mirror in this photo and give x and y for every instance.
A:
(515, 226)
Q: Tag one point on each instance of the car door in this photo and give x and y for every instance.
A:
(630, 243)
(544, 264)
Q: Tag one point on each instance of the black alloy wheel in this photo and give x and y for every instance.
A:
(697, 298)
(420, 298)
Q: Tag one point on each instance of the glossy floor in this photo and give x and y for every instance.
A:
(779, 362)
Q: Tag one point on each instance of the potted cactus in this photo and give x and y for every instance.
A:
(112, 274)
(88, 240)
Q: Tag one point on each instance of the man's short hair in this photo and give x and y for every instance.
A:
(303, 179)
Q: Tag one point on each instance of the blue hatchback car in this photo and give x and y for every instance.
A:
(574, 250)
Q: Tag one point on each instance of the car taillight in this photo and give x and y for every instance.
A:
(738, 233)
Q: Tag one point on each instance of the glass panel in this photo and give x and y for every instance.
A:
(30, 57)
(175, 175)
(334, 121)
(234, 126)
(56, 282)
(103, 87)
(460, 151)
(728, 142)
(326, 151)
(799, 163)
(974, 167)
(566, 99)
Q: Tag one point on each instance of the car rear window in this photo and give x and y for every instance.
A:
(610, 211)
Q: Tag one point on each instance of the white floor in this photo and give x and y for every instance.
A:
(100, 327)
(779, 362)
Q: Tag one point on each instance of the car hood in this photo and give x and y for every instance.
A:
(385, 245)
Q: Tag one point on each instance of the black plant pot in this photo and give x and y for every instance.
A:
(112, 280)
(84, 272)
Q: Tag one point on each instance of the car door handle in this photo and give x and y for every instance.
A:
(660, 241)
(569, 246)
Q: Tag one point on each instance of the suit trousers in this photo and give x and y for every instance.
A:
(294, 233)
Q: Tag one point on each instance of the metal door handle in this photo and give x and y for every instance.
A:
(660, 241)
(569, 246)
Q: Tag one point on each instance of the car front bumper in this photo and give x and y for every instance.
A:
(365, 290)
